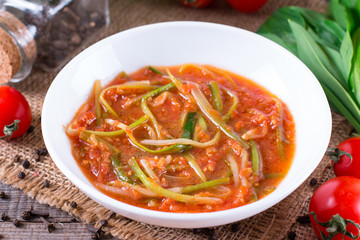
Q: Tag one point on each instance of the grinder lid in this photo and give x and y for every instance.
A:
(10, 57)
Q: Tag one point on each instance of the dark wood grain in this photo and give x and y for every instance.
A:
(16, 202)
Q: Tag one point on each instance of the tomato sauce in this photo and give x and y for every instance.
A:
(249, 170)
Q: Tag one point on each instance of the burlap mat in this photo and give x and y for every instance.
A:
(274, 223)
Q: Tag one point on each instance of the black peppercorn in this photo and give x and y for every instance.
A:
(17, 223)
(37, 151)
(313, 182)
(303, 219)
(210, 233)
(112, 215)
(95, 236)
(31, 129)
(21, 175)
(26, 215)
(43, 151)
(37, 158)
(235, 227)
(73, 204)
(212, 237)
(26, 164)
(96, 232)
(291, 235)
(2, 195)
(103, 223)
(17, 158)
(4, 217)
(46, 183)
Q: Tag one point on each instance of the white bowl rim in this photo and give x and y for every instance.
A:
(98, 196)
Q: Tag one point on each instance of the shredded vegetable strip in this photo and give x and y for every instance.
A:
(244, 158)
(123, 74)
(184, 141)
(146, 109)
(72, 132)
(234, 168)
(195, 166)
(97, 91)
(118, 132)
(183, 118)
(128, 85)
(254, 198)
(233, 105)
(255, 156)
(166, 193)
(142, 190)
(176, 81)
(135, 100)
(150, 130)
(85, 136)
(106, 105)
(132, 139)
(222, 73)
(215, 92)
(178, 147)
(123, 190)
(148, 170)
(118, 168)
(202, 123)
(280, 130)
(204, 185)
(188, 129)
(155, 70)
(112, 148)
(189, 125)
(212, 114)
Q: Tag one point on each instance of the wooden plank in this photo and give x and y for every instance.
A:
(16, 202)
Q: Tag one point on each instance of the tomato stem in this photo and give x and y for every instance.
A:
(10, 129)
(336, 225)
(336, 153)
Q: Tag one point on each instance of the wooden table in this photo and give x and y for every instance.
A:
(16, 202)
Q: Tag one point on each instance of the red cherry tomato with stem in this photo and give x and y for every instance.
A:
(15, 113)
(335, 209)
(247, 6)
(346, 157)
(196, 3)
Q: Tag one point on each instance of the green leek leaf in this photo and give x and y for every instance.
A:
(277, 25)
(354, 79)
(346, 53)
(338, 11)
(313, 56)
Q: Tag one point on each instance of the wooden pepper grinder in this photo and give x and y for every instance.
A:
(46, 34)
(17, 49)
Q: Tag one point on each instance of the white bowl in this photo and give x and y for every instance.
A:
(174, 43)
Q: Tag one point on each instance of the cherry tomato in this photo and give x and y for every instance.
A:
(336, 200)
(196, 3)
(346, 157)
(15, 113)
(247, 6)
